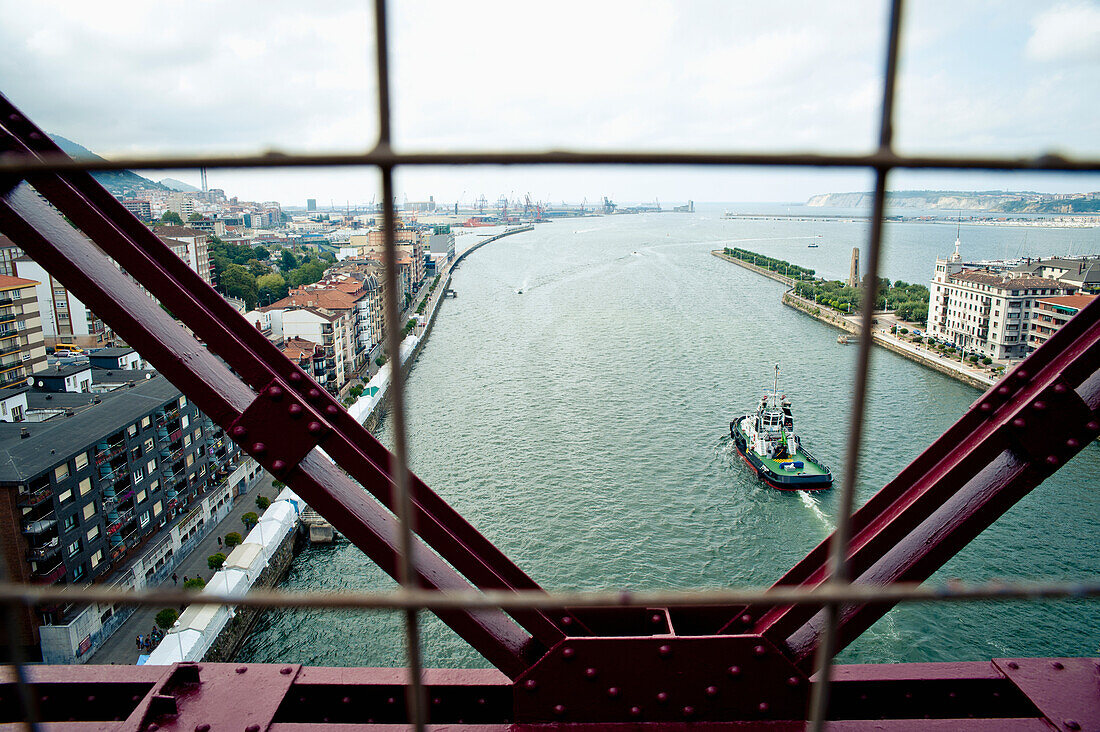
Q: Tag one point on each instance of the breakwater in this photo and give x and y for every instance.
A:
(945, 366)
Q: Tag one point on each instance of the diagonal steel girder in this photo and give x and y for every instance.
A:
(1021, 431)
(265, 396)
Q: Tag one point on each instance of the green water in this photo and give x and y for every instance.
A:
(582, 426)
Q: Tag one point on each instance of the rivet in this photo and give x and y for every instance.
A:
(1093, 425)
(566, 620)
(591, 672)
(662, 696)
(635, 711)
(275, 392)
(734, 670)
(332, 409)
(436, 701)
(688, 711)
(1021, 375)
(313, 427)
(559, 709)
(613, 691)
(655, 618)
(204, 727)
(239, 431)
(746, 618)
(252, 728)
(664, 650)
(1002, 390)
(793, 681)
(1060, 388)
(1039, 406)
(759, 650)
(152, 728)
(314, 393)
(1072, 724)
(285, 670)
(908, 695)
(530, 684)
(1013, 665)
(1019, 423)
(294, 410)
(1057, 665)
(1072, 442)
(278, 466)
(258, 448)
(481, 701)
(985, 406)
(391, 700)
(346, 700)
(35, 135)
(712, 691)
(951, 695)
(568, 652)
(91, 699)
(1052, 459)
(242, 669)
(763, 707)
(295, 376)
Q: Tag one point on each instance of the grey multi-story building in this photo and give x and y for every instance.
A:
(88, 478)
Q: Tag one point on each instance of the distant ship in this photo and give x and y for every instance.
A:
(767, 441)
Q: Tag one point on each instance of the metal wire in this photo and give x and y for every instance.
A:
(427, 599)
(842, 535)
(832, 595)
(415, 701)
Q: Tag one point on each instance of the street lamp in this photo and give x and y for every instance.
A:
(179, 638)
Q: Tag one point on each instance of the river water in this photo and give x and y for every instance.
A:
(582, 426)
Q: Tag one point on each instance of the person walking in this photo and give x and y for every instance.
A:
(219, 542)
(175, 579)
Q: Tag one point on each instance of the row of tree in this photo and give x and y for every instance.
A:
(775, 265)
(909, 302)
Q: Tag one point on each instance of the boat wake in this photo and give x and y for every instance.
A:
(811, 503)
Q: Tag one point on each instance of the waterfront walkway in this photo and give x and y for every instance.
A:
(121, 648)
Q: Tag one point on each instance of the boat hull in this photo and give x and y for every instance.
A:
(780, 481)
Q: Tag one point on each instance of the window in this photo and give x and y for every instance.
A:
(157, 508)
(65, 496)
(69, 523)
(183, 402)
(81, 461)
(139, 475)
(78, 571)
(61, 472)
(150, 466)
(85, 486)
(185, 421)
(143, 520)
(154, 485)
(197, 433)
(145, 422)
(89, 510)
(73, 548)
(190, 460)
(131, 430)
(93, 533)
(148, 445)
(97, 558)
(139, 497)
(187, 440)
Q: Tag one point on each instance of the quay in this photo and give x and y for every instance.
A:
(974, 377)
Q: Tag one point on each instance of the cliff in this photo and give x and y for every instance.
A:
(1006, 201)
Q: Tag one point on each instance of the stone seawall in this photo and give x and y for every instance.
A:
(231, 637)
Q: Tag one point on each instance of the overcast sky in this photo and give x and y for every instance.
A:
(982, 76)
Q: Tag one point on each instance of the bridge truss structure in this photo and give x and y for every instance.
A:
(738, 659)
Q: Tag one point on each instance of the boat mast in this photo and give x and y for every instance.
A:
(775, 387)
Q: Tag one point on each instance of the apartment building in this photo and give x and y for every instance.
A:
(64, 318)
(22, 344)
(409, 245)
(9, 252)
(139, 208)
(1082, 273)
(325, 328)
(984, 311)
(88, 478)
(190, 245)
(1052, 313)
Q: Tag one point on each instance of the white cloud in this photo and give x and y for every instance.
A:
(1066, 33)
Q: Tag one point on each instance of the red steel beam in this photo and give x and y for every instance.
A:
(1014, 437)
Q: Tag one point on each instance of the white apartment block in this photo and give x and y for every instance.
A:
(65, 319)
(984, 311)
(325, 328)
(190, 245)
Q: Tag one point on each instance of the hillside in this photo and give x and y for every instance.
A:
(1003, 201)
(120, 183)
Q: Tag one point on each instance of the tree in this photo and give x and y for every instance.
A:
(196, 217)
(271, 287)
(232, 539)
(194, 583)
(166, 618)
(171, 217)
(288, 261)
(250, 519)
(262, 502)
(215, 561)
(236, 281)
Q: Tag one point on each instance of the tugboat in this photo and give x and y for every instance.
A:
(767, 441)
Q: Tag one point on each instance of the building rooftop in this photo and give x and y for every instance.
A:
(60, 370)
(112, 352)
(1070, 301)
(295, 348)
(174, 231)
(62, 437)
(10, 283)
(1005, 281)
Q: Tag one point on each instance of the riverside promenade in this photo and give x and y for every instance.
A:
(121, 647)
(974, 376)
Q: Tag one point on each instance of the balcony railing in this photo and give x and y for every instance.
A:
(48, 577)
(33, 498)
(40, 526)
(44, 552)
